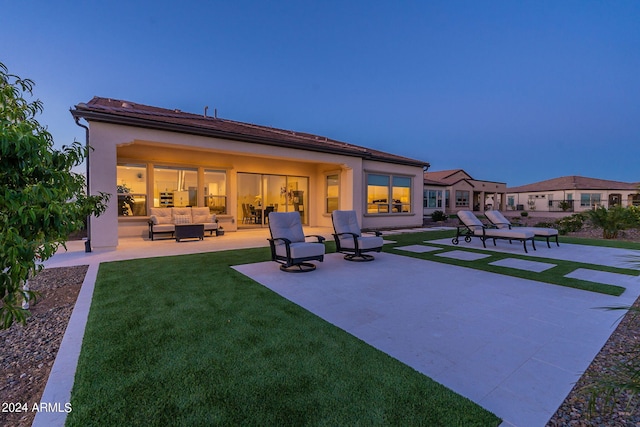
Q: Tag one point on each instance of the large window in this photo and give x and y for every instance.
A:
(388, 194)
(259, 195)
(132, 189)
(215, 190)
(462, 198)
(175, 186)
(589, 199)
(433, 199)
(332, 184)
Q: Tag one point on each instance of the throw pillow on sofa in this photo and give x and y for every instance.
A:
(182, 219)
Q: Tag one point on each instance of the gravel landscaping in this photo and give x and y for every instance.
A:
(28, 353)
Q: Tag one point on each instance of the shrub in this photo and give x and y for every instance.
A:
(612, 220)
(524, 214)
(635, 214)
(439, 216)
(570, 223)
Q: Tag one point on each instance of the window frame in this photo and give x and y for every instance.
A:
(125, 197)
(460, 196)
(378, 205)
(334, 200)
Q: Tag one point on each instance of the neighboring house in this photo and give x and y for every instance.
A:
(454, 190)
(154, 157)
(572, 194)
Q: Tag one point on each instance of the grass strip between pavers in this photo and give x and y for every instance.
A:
(553, 275)
(187, 340)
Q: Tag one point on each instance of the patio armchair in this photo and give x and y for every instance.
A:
(289, 246)
(496, 218)
(473, 227)
(349, 239)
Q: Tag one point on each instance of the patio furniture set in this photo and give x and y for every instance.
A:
(291, 249)
(182, 223)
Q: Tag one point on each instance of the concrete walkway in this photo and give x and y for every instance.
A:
(512, 345)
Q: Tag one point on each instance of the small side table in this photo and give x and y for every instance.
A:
(189, 231)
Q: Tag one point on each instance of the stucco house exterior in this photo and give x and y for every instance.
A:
(150, 157)
(454, 190)
(572, 194)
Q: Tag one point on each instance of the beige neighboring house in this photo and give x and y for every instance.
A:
(572, 194)
(454, 190)
(155, 157)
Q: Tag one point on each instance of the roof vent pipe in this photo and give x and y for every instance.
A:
(205, 110)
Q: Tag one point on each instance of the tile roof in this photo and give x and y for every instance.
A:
(133, 114)
(574, 182)
(444, 177)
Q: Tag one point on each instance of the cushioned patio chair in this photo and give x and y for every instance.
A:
(496, 218)
(472, 226)
(349, 239)
(289, 246)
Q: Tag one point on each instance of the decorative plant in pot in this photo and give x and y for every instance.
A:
(219, 230)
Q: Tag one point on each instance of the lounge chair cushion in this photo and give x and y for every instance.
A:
(505, 233)
(497, 218)
(500, 221)
(286, 226)
(473, 223)
(470, 220)
(540, 231)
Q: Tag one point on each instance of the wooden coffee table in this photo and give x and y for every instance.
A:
(189, 231)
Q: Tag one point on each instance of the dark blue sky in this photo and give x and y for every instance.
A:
(510, 91)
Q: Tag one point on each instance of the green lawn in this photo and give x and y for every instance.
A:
(188, 341)
(554, 275)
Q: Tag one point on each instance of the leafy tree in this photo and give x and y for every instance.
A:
(41, 200)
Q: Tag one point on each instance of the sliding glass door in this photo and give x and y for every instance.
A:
(259, 194)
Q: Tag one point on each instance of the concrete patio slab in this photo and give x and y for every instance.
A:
(514, 346)
(419, 249)
(463, 255)
(608, 278)
(522, 264)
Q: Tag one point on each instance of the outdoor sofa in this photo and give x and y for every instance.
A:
(473, 227)
(164, 220)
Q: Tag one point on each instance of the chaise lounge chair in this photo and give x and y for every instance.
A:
(472, 226)
(289, 246)
(349, 239)
(497, 219)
